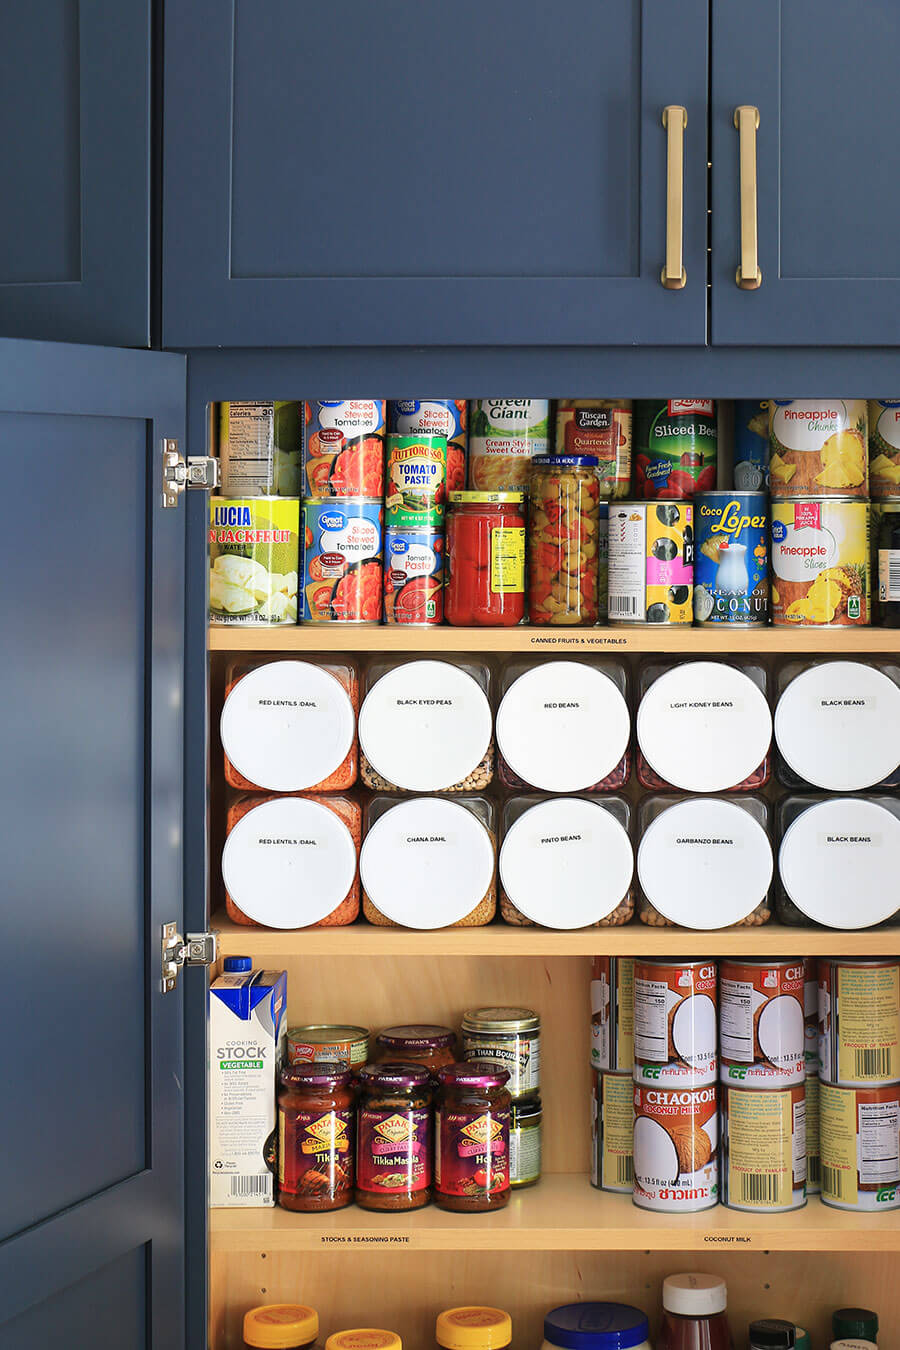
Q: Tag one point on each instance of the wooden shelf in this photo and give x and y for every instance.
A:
(500, 939)
(562, 1213)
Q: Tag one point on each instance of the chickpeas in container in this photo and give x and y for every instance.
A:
(838, 861)
(837, 725)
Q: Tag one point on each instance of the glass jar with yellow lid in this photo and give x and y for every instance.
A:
(473, 1328)
(364, 1338)
(281, 1326)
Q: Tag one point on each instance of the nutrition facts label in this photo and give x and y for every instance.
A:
(736, 1020)
(879, 1131)
(651, 1020)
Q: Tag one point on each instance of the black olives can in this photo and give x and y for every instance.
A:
(651, 562)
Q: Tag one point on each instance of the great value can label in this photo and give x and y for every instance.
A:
(818, 447)
(414, 577)
(751, 444)
(342, 561)
(731, 563)
(761, 1023)
(445, 417)
(676, 1138)
(343, 448)
(651, 562)
(820, 563)
(254, 552)
(764, 1149)
(676, 444)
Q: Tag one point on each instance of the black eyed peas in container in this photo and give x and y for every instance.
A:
(564, 525)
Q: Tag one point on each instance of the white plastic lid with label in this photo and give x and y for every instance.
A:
(289, 863)
(838, 725)
(704, 726)
(566, 863)
(427, 863)
(705, 863)
(839, 862)
(425, 726)
(287, 725)
(563, 726)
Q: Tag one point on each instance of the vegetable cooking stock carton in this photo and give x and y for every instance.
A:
(247, 1043)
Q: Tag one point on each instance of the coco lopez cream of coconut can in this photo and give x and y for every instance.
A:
(731, 561)
(254, 551)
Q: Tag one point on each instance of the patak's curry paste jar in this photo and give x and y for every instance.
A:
(394, 1144)
(316, 1119)
(472, 1138)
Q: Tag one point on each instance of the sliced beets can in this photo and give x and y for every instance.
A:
(414, 577)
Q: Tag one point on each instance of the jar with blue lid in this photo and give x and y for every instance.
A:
(596, 1326)
(564, 540)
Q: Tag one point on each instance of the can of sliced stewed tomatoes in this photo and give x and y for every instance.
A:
(414, 577)
(859, 1022)
(343, 448)
(612, 1014)
(761, 1023)
(676, 1136)
(612, 1126)
(859, 1129)
(341, 567)
(675, 1023)
(763, 1148)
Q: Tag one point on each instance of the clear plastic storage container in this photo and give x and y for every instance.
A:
(837, 725)
(566, 862)
(564, 726)
(426, 726)
(429, 862)
(838, 861)
(704, 862)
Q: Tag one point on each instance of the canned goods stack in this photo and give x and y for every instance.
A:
(511, 1037)
(612, 1058)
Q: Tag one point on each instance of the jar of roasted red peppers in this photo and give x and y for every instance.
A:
(485, 559)
(394, 1137)
(472, 1137)
(316, 1120)
(563, 540)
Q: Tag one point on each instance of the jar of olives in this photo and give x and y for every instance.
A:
(564, 540)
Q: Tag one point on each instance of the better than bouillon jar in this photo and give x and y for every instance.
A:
(510, 1037)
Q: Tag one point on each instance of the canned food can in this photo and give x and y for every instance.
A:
(761, 1023)
(525, 1128)
(254, 553)
(510, 1037)
(603, 562)
(859, 1130)
(445, 417)
(347, 1045)
(259, 449)
(676, 444)
(731, 562)
(416, 482)
(818, 447)
(651, 562)
(676, 1137)
(413, 577)
(343, 448)
(342, 560)
(811, 1014)
(859, 1022)
(820, 562)
(813, 1148)
(751, 444)
(884, 448)
(612, 1128)
(764, 1149)
(612, 1013)
(600, 427)
(675, 1023)
(505, 434)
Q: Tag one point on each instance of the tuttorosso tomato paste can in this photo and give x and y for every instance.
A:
(761, 1023)
(859, 1022)
(859, 1129)
(435, 417)
(764, 1149)
(676, 1148)
(675, 1023)
(612, 1013)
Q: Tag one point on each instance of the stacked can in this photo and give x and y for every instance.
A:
(415, 495)
(612, 1058)
(511, 1037)
(859, 1096)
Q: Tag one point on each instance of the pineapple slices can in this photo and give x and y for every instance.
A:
(820, 562)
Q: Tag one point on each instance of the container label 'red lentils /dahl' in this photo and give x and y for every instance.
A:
(472, 1152)
(315, 1152)
(676, 444)
(394, 1152)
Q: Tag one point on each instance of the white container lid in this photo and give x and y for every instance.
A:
(840, 860)
(704, 726)
(287, 725)
(838, 725)
(425, 725)
(289, 863)
(563, 726)
(566, 863)
(427, 863)
(705, 863)
(694, 1295)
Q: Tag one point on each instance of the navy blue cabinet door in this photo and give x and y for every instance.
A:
(92, 609)
(823, 76)
(75, 169)
(481, 172)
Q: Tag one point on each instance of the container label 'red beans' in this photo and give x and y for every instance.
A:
(315, 1152)
(472, 1152)
(394, 1151)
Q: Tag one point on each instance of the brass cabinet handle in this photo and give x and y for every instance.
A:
(674, 119)
(746, 119)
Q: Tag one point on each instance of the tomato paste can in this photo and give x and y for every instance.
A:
(600, 427)
(445, 417)
(676, 447)
(612, 1127)
(750, 472)
(763, 1149)
(675, 1023)
(612, 1013)
(415, 491)
(731, 563)
(813, 1148)
(413, 577)
(505, 434)
(884, 448)
(821, 562)
(761, 1023)
(254, 553)
(675, 1143)
(811, 1014)
(651, 562)
(342, 560)
(859, 1134)
(859, 1022)
(259, 449)
(348, 1046)
(818, 447)
(343, 448)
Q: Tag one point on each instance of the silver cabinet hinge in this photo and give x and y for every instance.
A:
(199, 471)
(195, 949)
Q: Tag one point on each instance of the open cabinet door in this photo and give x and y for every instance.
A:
(92, 615)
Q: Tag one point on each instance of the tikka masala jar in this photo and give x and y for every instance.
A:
(485, 559)
(394, 1137)
(472, 1138)
(431, 1046)
(316, 1120)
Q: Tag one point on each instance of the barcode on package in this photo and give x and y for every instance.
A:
(623, 604)
(257, 1186)
(760, 1189)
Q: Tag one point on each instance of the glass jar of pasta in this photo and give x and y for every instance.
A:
(563, 540)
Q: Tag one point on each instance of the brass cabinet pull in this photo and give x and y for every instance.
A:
(674, 119)
(746, 119)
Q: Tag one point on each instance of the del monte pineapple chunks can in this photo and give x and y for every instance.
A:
(254, 549)
(819, 447)
(820, 562)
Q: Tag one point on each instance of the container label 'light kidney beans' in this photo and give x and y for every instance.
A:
(677, 443)
(343, 448)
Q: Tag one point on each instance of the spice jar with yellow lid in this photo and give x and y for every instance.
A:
(364, 1338)
(473, 1328)
(281, 1326)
